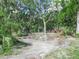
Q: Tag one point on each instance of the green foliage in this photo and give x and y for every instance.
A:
(64, 18)
(67, 16)
(1, 13)
(19, 23)
(7, 44)
(7, 26)
(30, 3)
(76, 54)
(77, 35)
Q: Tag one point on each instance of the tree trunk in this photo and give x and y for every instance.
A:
(45, 35)
(77, 30)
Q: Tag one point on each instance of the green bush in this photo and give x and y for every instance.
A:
(7, 44)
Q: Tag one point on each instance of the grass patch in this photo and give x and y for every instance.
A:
(72, 52)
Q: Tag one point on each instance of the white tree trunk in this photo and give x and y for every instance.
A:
(77, 30)
(45, 35)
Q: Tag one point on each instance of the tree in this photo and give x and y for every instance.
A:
(7, 24)
(77, 29)
(41, 9)
(68, 15)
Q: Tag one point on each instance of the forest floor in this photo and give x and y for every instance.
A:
(39, 48)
